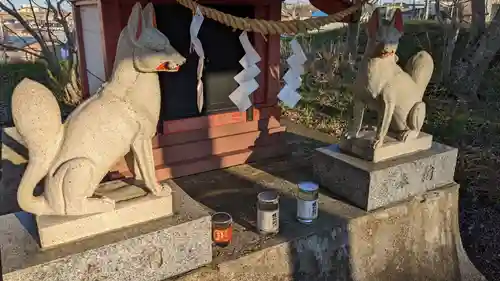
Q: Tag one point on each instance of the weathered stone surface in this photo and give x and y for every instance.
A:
(392, 148)
(417, 240)
(56, 230)
(150, 251)
(371, 185)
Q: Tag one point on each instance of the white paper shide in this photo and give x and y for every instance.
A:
(194, 29)
(289, 95)
(246, 78)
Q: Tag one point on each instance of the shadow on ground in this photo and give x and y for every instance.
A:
(234, 190)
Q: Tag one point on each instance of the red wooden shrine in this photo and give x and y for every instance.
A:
(192, 145)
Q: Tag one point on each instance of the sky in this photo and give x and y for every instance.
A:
(19, 2)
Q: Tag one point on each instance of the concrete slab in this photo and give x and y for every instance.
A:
(155, 250)
(370, 185)
(321, 251)
(324, 250)
(415, 239)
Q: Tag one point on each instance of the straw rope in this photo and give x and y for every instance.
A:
(266, 27)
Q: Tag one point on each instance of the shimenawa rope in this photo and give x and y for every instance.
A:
(266, 27)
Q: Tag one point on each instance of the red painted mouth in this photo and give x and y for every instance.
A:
(167, 66)
(385, 54)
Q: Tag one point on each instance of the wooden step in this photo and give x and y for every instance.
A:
(199, 149)
(213, 162)
(215, 132)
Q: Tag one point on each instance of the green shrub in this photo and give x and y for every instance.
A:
(10, 76)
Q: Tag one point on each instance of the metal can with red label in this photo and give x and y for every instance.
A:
(222, 229)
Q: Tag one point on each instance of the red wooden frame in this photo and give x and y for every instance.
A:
(204, 143)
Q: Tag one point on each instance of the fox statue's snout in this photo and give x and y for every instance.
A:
(172, 61)
(168, 67)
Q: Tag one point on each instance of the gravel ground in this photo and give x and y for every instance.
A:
(480, 230)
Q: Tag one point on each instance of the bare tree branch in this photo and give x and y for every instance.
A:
(23, 50)
(18, 36)
(47, 27)
(34, 15)
(14, 13)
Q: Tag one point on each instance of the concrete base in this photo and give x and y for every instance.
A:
(130, 210)
(390, 149)
(416, 240)
(370, 185)
(150, 251)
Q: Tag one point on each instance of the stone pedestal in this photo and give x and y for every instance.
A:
(133, 206)
(390, 149)
(370, 185)
(149, 251)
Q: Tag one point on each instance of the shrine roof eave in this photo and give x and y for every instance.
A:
(201, 1)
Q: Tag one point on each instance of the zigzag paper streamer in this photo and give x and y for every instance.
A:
(246, 78)
(198, 48)
(289, 95)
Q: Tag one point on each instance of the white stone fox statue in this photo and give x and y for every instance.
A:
(382, 85)
(75, 156)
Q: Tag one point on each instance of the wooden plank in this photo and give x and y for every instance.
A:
(260, 44)
(193, 150)
(215, 132)
(111, 27)
(84, 3)
(84, 79)
(221, 2)
(213, 162)
(215, 120)
(273, 59)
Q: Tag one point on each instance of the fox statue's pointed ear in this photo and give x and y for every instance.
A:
(397, 20)
(135, 24)
(149, 15)
(374, 22)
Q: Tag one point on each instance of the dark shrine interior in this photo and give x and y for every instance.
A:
(222, 54)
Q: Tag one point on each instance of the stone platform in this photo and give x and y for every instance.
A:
(370, 185)
(150, 251)
(413, 239)
(416, 239)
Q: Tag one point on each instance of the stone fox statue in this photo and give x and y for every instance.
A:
(382, 85)
(75, 156)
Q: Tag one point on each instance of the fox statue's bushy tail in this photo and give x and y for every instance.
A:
(420, 67)
(37, 118)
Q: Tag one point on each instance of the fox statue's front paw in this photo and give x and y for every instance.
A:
(351, 135)
(377, 142)
(408, 135)
(162, 190)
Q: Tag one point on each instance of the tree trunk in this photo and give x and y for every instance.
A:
(451, 30)
(470, 70)
(426, 10)
(478, 23)
(352, 41)
(451, 35)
